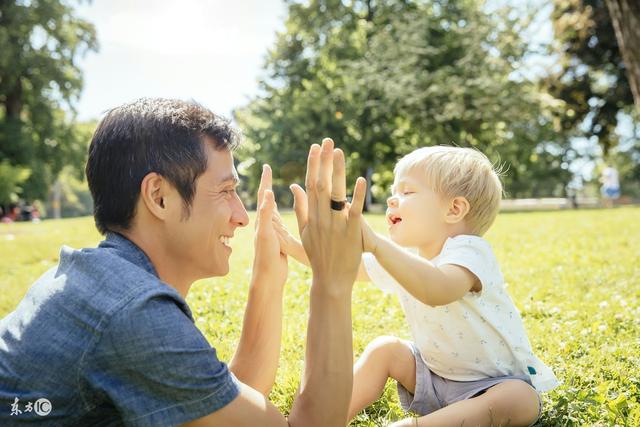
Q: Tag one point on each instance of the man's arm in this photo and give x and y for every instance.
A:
(249, 409)
(333, 242)
(429, 284)
(256, 359)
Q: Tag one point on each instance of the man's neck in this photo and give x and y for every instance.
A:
(166, 266)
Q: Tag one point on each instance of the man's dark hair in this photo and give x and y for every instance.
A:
(165, 136)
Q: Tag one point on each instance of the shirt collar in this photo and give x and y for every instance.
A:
(128, 250)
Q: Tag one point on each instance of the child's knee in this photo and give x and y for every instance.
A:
(387, 347)
(515, 401)
(395, 354)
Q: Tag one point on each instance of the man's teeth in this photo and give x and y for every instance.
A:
(224, 240)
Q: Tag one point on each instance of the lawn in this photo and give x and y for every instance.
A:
(574, 275)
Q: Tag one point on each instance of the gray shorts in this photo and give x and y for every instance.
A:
(434, 392)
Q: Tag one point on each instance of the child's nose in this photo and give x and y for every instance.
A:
(392, 202)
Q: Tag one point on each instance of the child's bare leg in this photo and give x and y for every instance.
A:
(511, 403)
(384, 357)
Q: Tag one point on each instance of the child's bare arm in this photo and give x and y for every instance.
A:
(294, 248)
(429, 284)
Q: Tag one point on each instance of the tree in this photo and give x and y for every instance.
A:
(40, 42)
(311, 91)
(590, 80)
(449, 73)
(384, 77)
(11, 180)
(625, 16)
(591, 83)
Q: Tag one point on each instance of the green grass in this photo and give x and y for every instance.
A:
(575, 276)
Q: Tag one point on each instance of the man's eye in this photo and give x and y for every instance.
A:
(406, 193)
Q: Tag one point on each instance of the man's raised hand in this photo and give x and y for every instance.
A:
(331, 238)
(269, 257)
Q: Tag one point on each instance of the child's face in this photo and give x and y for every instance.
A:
(415, 213)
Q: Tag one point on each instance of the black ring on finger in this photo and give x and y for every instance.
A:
(338, 205)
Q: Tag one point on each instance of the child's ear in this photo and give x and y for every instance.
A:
(458, 209)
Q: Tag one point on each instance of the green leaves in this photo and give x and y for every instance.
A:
(11, 180)
(383, 78)
(40, 43)
(591, 78)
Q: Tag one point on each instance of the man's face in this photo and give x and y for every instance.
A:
(415, 213)
(202, 241)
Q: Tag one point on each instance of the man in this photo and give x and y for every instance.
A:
(106, 337)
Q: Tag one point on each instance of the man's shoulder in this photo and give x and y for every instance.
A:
(107, 266)
(108, 282)
(100, 264)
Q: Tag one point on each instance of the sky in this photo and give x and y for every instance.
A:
(210, 51)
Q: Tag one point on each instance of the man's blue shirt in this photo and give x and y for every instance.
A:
(106, 342)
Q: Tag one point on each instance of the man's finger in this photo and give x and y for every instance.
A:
(265, 183)
(301, 206)
(326, 168)
(311, 179)
(338, 179)
(313, 165)
(359, 193)
(265, 212)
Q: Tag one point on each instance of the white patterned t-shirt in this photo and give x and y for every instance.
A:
(481, 335)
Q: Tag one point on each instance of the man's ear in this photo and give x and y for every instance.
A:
(458, 209)
(153, 191)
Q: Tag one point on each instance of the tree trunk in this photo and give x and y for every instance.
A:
(625, 16)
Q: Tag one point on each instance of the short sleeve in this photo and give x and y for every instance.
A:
(475, 254)
(155, 367)
(378, 275)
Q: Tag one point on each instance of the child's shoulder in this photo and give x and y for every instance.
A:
(462, 241)
(469, 251)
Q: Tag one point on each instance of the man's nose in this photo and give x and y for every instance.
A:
(239, 215)
(392, 202)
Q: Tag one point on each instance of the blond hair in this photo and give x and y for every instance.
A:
(456, 171)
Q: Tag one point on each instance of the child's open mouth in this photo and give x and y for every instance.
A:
(394, 219)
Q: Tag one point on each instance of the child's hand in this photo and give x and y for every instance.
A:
(369, 237)
(269, 260)
(288, 244)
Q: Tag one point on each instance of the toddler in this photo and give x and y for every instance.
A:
(470, 362)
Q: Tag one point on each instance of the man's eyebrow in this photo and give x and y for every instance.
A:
(230, 179)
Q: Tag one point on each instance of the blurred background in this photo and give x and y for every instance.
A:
(543, 87)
